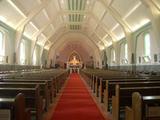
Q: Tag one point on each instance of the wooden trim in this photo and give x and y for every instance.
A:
(107, 96)
(128, 113)
(101, 90)
(137, 106)
(20, 110)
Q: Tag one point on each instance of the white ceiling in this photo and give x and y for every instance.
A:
(96, 18)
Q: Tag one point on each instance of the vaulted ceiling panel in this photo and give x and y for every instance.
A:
(109, 21)
(48, 31)
(95, 38)
(89, 4)
(30, 29)
(52, 9)
(41, 39)
(108, 40)
(92, 24)
(9, 14)
(98, 9)
(138, 18)
(41, 19)
(100, 32)
(58, 22)
(28, 5)
(63, 4)
(124, 8)
(101, 44)
(119, 33)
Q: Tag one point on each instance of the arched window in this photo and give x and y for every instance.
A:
(113, 56)
(22, 52)
(35, 56)
(143, 48)
(2, 54)
(124, 53)
(147, 46)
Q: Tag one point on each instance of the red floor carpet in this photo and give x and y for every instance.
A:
(76, 102)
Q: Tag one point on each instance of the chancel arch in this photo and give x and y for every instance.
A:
(78, 42)
(74, 56)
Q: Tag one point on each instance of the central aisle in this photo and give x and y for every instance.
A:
(76, 102)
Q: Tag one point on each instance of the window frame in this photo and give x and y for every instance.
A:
(145, 46)
(113, 56)
(123, 53)
(34, 58)
(22, 59)
(2, 47)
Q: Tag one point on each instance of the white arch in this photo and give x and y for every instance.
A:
(78, 37)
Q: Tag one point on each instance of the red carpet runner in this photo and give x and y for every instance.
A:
(76, 103)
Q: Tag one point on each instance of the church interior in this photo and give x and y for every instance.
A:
(79, 59)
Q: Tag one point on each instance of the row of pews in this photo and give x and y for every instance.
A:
(27, 95)
(126, 96)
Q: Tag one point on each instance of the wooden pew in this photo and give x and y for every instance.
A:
(101, 84)
(99, 87)
(123, 97)
(32, 95)
(109, 90)
(44, 92)
(96, 82)
(56, 78)
(143, 108)
(50, 84)
(16, 108)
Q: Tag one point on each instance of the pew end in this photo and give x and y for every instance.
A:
(128, 113)
(115, 111)
(137, 106)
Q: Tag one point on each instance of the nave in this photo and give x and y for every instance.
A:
(114, 45)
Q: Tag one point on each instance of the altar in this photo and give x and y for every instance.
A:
(74, 65)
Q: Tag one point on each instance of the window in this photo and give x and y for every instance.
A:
(126, 51)
(143, 48)
(2, 55)
(35, 57)
(147, 47)
(113, 56)
(22, 52)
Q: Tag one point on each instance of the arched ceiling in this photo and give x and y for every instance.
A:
(69, 42)
(105, 21)
(77, 47)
